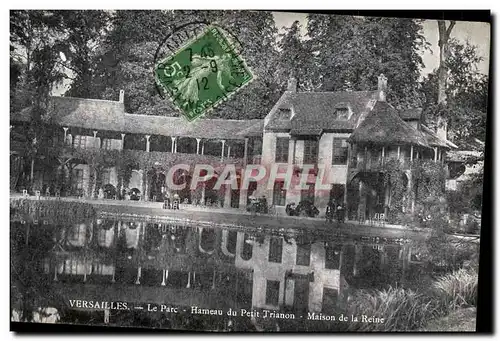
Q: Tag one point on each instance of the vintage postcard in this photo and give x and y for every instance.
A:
(246, 171)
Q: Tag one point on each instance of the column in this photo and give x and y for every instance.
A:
(222, 151)
(399, 151)
(203, 193)
(362, 203)
(383, 155)
(137, 281)
(198, 140)
(411, 153)
(227, 196)
(95, 139)
(228, 151)
(113, 280)
(435, 154)
(383, 258)
(189, 280)
(55, 270)
(213, 280)
(106, 316)
(148, 143)
(203, 147)
(173, 143)
(123, 141)
(164, 281)
(245, 152)
(65, 134)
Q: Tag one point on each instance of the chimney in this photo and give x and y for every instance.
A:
(382, 87)
(122, 96)
(292, 85)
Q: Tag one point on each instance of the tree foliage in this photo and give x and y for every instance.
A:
(350, 52)
(466, 95)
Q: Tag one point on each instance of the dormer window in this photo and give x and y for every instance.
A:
(284, 114)
(342, 112)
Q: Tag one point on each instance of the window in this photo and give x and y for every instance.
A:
(275, 249)
(282, 149)
(106, 176)
(332, 256)
(80, 141)
(107, 144)
(342, 113)
(303, 254)
(272, 292)
(279, 193)
(310, 151)
(339, 152)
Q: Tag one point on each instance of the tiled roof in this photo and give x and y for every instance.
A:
(111, 116)
(178, 126)
(384, 126)
(315, 110)
(255, 130)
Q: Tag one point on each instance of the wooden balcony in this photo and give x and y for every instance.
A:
(376, 164)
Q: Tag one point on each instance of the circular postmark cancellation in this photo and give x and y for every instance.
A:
(200, 68)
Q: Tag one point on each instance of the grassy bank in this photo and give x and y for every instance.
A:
(409, 310)
(50, 210)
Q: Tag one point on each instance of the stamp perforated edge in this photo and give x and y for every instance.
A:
(186, 45)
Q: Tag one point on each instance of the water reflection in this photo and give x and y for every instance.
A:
(140, 262)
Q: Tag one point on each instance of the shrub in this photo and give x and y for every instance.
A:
(456, 290)
(402, 309)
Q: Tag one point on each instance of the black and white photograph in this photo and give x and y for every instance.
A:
(247, 171)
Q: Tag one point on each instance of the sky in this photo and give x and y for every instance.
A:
(476, 32)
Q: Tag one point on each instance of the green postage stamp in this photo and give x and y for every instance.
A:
(202, 74)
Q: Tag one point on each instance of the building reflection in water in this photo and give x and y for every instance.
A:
(216, 268)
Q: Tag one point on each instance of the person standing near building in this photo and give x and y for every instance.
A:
(341, 213)
(330, 211)
(166, 202)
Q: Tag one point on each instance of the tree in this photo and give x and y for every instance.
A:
(443, 43)
(466, 93)
(295, 59)
(126, 59)
(350, 52)
(83, 33)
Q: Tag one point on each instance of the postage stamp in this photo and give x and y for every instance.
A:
(203, 73)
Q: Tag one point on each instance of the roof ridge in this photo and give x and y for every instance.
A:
(333, 92)
(204, 119)
(88, 99)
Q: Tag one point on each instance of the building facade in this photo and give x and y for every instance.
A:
(96, 149)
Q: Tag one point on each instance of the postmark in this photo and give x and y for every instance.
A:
(203, 73)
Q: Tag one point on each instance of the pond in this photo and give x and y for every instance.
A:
(136, 273)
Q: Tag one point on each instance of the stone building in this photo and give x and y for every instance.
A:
(347, 136)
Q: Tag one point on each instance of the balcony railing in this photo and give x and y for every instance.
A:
(376, 164)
